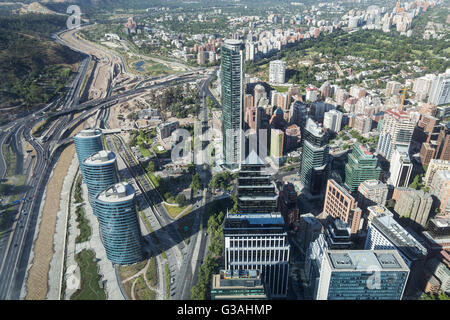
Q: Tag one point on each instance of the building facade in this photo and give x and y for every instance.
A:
(397, 129)
(362, 165)
(384, 233)
(277, 72)
(232, 69)
(115, 208)
(362, 275)
(400, 168)
(315, 158)
(339, 203)
(100, 172)
(238, 285)
(87, 142)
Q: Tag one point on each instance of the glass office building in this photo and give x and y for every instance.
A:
(362, 275)
(256, 193)
(362, 165)
(259, 242)
(315, 158)
(115, 208)
(232, 101)
(87, 142)
(100, 172)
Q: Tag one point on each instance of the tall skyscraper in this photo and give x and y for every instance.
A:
(87, 142)
(362, 165)
(277, 72)
(440, 89)
(339, 203)
(100, 172)
(115, 208)
(255, 238)
(315, 157)
(400, 168)
(362, 275)
(232, 102)
(397, 130)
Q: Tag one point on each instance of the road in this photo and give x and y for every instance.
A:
(15, 258)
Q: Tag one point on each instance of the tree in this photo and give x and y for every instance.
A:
(180, 199)
(195, 184)
(151, 167)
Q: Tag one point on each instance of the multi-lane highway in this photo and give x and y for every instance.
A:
(14, 257)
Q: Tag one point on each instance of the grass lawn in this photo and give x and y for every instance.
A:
(127, 271)
(90, 286)
(152, 273)
(144, 151)
(142, 292)
(166, 268)
(281, 88)
(10, 159)
(127, 287)
(83, 225)
(174, 210)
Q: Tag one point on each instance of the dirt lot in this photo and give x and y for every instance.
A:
(37, 282)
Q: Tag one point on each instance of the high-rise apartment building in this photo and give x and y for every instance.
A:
(362, 165)
(415, 204)
(315, 157)
(100, 172)
(440, 188)
(277, 72)
(422, 86)
(362, 123)
(115, 208)
(333, 120)
(393, 88)
(372, 192)
(434, 166)
(232, 71)
(443, 143)
(339, 203)
(362, 275)
(440, 90)
(397, 130)
(260, 93)
(87, 142)
(400, 168)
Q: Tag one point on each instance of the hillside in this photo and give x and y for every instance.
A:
(34, 68)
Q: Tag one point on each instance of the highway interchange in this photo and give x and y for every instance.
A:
(18, 243)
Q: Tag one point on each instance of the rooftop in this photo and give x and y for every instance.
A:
(87, 133)
(402, 239)
(119, 192)
(365, 260)
(314, 128)
(101, 157)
